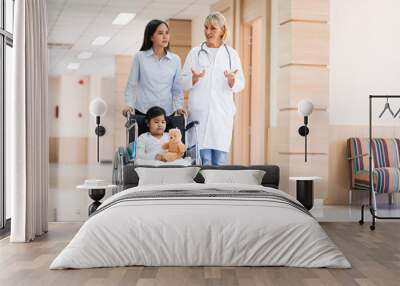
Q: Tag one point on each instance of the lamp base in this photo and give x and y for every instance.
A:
(303, 130)
(100, 130)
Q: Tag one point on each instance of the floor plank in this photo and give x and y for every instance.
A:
(374, 255)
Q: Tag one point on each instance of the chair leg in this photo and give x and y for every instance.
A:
(390, 198)
(361, 221)
(372, 227)
(350, 197)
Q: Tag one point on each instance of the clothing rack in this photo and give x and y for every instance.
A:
(372, 197)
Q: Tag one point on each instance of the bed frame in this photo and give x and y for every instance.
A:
(270, 179)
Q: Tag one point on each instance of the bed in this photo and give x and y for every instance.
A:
(196, 224)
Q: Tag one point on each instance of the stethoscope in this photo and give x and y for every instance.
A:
(202, 50)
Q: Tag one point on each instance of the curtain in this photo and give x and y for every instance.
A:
(28, 122)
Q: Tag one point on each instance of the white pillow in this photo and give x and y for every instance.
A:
(166, 176)
(248, 177)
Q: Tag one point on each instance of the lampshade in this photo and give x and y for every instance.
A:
(98, 107)
(305, 107)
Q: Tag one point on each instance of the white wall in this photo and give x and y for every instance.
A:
(66, 203)
(364, 59)
(198, 28)
(73, 98)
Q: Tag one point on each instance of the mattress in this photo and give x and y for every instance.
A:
(201, 225)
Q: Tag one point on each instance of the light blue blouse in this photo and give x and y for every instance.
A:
(154, 82)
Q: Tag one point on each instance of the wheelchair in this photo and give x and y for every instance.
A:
(135, 126)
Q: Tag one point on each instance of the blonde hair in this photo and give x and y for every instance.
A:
(218, 19)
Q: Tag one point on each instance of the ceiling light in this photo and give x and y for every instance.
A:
(73, 66)
(85, 55)
(100, 41)
(123, 18)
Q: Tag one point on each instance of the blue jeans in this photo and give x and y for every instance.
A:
(213, 157)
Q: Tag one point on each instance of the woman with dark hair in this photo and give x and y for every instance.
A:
(155, 74)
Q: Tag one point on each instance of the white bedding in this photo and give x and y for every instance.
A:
(200, 231)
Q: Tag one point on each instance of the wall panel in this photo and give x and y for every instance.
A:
(303, 74)
(306, 10)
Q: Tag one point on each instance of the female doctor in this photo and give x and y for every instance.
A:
(212, 73)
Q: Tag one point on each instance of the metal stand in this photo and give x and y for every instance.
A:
(303, 131)
(305, 193)
(100, 131)
(372, 198)
(96, 195)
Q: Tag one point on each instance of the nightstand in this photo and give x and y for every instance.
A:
(304, 190)
(96, 190)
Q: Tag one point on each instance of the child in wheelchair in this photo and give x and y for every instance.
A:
(149, 144)
(155, 147)
(145, 137)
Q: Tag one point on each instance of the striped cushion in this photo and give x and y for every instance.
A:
(386, 180)
(385, 156)
(385, 152)
(361, 180)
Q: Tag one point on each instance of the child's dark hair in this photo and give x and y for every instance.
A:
(154, 112)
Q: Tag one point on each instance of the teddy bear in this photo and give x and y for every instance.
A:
(175, 148)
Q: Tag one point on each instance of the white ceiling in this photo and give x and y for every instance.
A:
(79, 22)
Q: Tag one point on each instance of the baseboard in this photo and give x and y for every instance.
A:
(318, 202)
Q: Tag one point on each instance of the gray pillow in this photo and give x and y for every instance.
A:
(166, 176)
(248, 177)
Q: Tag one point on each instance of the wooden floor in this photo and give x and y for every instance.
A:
(375, 257)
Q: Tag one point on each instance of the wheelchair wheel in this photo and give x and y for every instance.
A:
(120, 159)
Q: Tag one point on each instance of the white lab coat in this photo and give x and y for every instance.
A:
(211, 100)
